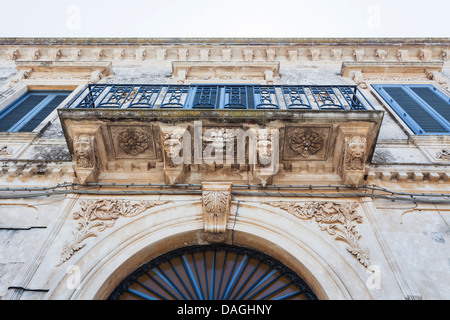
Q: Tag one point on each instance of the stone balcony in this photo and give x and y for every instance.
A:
(259, 134)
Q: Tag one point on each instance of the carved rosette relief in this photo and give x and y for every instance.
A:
(337, 219)
(133, 141)
(355, 152)
(216, 202)
(306, 143)
(96, 216)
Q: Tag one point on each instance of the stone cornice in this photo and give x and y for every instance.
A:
(226, 41)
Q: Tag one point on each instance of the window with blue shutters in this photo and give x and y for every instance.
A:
(424, 108)
(27, 112)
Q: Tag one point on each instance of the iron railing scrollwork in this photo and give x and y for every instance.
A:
(221, 96)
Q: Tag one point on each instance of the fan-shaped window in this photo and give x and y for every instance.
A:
(213, 273)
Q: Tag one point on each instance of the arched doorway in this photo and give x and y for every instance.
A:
(213, 272)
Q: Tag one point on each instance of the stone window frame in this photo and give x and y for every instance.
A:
(25, 80)
(416, 73)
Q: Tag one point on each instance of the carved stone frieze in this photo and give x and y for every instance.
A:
(216, 202)
(97, 215)
(337, 219)
(306, 143)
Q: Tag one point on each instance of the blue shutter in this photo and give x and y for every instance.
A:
(27, 112)
(15, 112)
(420, 110)
(434, 99)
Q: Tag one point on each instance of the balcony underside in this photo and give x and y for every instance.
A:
(197, 145)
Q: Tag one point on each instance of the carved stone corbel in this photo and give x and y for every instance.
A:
(358, 78)
(98, 55)
(87, 163)
(161, 54)
(264, 155)
(176, 153)
(140, 54)
(182, 54)
(216, 203)
(359, 54)
(355, 154)
(35, 55)
(314, 54)
(381, 55)
(248, 55)
(204, 54)
(336, 54)
(119, 54)
(426, 55)
(12, 54)
(403, 55)
(226, 54)
(292, 55)
(437, 76)
(271, 55)
(55, 54)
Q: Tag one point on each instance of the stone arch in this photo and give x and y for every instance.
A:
(163, 229)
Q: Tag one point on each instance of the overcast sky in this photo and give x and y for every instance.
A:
(225, 18)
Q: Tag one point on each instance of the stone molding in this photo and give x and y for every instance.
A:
(293, 50)
(382, 70)
(225, 71)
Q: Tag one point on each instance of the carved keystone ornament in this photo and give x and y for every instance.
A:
(216, 202)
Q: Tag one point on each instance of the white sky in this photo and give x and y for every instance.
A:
(225, 18)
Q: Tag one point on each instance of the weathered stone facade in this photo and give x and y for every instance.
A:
(352, 201)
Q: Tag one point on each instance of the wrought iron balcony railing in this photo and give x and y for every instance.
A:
(221, 96)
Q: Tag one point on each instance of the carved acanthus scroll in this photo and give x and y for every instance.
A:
(338, 219)
(97, 215)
